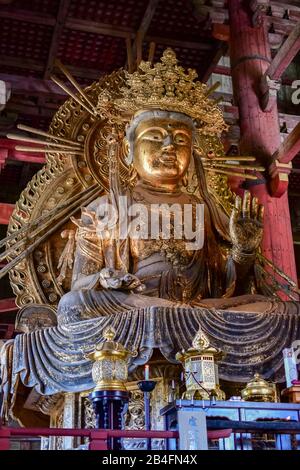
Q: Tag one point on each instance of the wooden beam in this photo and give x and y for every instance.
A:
(270, 81)
(142, 30)
(28, 110)
(151, 52)
(182, 43)
(5, 212)
(285, 55)
(290, 147)
(8, 305)
(289, 120)
(148, 15)
(27, 16)
(117, 31)
(129, 55)
(281, 25)
(220, 52)
(282, 162)
(8, 146)
(56, 35)
(33, 86)
(98, 28)
(215, 14)
(83, 72)
(22, 63)
(290, 5)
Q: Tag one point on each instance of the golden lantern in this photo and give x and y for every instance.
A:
(200, 369)
(110, 368)
(259, 389)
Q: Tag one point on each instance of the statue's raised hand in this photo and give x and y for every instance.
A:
(246, 225)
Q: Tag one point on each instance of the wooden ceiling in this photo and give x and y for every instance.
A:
(91, 38)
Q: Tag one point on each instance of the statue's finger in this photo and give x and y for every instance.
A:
(234, 216)
(236, 211)
(246, 204)
(254, 208)
(238, 203)
(261, 211)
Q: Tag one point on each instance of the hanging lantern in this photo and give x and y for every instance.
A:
(110, 368)
(259, 389)
(200, 369)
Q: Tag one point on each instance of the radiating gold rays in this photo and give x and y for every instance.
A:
(83, 99)
(229, 165)
(52, 144)
(36, 232)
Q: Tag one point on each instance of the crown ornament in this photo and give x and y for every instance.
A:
(164, 86)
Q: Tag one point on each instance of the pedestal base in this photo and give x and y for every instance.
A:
(110, 407)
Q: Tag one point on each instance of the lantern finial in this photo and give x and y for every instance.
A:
(200, 341)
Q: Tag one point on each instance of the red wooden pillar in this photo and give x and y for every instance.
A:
(260, 134)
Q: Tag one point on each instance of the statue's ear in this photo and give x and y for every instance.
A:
(127, 151)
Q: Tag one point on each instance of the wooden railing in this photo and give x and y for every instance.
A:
(244, 434)
(100, 439)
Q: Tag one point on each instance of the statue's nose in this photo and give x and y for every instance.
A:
(168, 140)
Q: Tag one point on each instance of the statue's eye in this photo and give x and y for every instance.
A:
(154, 136)
(181, 139)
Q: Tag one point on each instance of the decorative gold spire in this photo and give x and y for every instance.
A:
(109, 333)
(200, 341)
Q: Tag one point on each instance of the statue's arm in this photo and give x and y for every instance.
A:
(95, 264)
(234, 274)
(88, 259)
(246, 230)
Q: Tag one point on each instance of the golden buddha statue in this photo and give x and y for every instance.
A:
(131, 151)
(111, 275)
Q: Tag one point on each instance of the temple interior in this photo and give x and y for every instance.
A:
(135, 107)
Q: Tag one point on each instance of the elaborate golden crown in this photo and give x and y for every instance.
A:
(166, 86)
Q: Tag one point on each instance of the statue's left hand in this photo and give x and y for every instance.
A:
(246, 224)
(115, 279)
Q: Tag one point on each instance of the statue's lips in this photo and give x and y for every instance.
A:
(168, 159)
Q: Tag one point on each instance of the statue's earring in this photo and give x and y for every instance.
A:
(125, 149)
(132, 175)
(185, 181)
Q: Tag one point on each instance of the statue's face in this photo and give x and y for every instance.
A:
(162, 150)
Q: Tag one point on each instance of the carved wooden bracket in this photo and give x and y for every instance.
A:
(279, 173)
(259, 8)
(282, 162)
